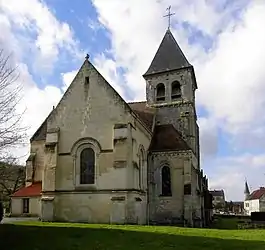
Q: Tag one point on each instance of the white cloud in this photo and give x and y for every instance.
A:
(17, 22)
(45, 35)
(136, 32)
(37, 104)
(107, 67)
(231, 81)
(130, 27)
(208, 137)
(230, 174)
(67, 78)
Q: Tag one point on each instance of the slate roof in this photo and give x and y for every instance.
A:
(217, 192)
(166, 137)
(257, 194)
(41, 132)
(169, 56)
(145, 113)
(30, 191)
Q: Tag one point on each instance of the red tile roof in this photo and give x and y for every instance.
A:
(166, 137)
(257, 194)
(30, 191)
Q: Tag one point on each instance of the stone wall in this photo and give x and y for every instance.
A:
(183, 172)
(180, 113)
(184, 77)
(164, 208)
(35, 163)
(100, 207)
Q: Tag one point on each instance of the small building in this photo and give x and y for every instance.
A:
(235, 207)
(218, 199)
(27, 200)
(255, 201)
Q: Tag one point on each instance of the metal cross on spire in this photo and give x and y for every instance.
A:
(169, 16)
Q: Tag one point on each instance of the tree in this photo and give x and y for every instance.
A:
(12, 177)
(12, 133)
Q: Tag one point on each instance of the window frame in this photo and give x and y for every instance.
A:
(162, 97)
(163, 194)
(76, 150)
(176, 96)
(80, 166)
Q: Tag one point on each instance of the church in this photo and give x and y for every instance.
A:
(99, 159)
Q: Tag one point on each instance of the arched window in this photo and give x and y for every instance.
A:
(175, 90)
(160, 92)
(166, 181)
(87, 166)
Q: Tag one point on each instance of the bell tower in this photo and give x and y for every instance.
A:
(170, 88)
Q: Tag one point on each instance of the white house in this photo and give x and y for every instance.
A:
(255, 202)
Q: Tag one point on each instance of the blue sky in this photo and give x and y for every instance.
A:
(222, 39)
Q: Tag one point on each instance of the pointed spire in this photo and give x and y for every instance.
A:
(246, 191)
(168, 57)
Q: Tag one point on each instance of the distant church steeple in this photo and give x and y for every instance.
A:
(246, 191)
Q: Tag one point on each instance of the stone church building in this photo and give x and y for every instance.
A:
(98, 159)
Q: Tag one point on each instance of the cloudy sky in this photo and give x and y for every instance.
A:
(223, 39)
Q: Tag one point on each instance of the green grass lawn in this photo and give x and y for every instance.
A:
(66, 236)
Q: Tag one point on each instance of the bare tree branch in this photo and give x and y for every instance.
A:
(12, 133)
(12, 177)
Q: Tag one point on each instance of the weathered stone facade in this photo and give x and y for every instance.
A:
(175, 108)
(131, 143)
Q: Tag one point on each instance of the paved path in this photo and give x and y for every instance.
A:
(15, 219)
